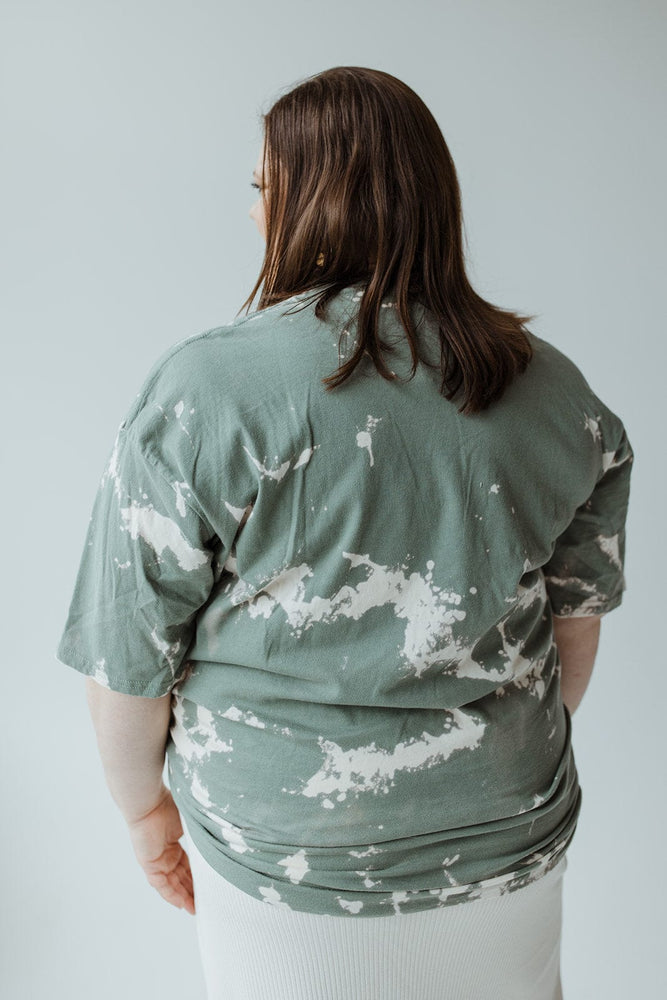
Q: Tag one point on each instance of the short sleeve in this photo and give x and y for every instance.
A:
(145, 572)
(585, 574)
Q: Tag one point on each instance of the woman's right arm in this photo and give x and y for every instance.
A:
(577, 641)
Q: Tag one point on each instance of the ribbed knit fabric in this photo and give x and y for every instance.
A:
(502, 948)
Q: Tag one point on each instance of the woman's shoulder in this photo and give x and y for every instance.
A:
(547, 355)
(561, 378)
(224, 362)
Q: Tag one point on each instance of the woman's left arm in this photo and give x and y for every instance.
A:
(132, 734)
(131, 737)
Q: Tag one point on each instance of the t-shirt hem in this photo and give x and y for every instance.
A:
(602, 608)
(71, 658)
(263, 888)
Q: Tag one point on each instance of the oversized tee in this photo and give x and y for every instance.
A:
(349, 595)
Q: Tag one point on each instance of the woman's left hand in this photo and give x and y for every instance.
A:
(165, 863)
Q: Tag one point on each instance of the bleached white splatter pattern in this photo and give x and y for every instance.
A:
(583, 607)
(231, 564)
(178, 411)
(305, 456)
(364, 438)
(276, 474)
(610, 546)
(236, 512)
(430, 613)
(397, 898)
(368, 882)
(351, 905)
(446, 863)
(495, 488)
(295, 866)
(281, 470)
(608, 460)
(537, 801)
(372, 849)
(196, 742)
(249, 718)
(170, 651)
(112, 471)
(373, 769)
(100, 674)
(428, 610)
(162, 533)
(232, 834)
(200, 792)
(272, 896)
(592, 424)
(180, 499)
(525, 672)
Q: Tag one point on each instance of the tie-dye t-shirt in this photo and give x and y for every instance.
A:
(349, 595)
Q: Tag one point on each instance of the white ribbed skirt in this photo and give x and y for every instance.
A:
(500, 948)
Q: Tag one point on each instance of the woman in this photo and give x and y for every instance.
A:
(346, 567)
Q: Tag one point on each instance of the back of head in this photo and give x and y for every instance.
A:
(362, 189)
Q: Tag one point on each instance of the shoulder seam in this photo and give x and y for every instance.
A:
(172, 351)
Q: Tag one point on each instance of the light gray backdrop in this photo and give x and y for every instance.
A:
(129, 132)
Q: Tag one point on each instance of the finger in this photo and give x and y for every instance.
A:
(187, 886)
(186, 879)
(185, 872)
(179, 898)
(171, 889)
(182, 868)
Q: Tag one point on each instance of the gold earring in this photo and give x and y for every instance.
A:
(320, 260)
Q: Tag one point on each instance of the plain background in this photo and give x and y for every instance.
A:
(129, 133)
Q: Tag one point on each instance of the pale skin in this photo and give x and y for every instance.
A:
(257, 210)
(577, 640)
(132, 734)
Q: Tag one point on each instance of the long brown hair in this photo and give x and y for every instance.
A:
(363, 191)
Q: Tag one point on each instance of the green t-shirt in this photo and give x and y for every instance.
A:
(349, 595)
